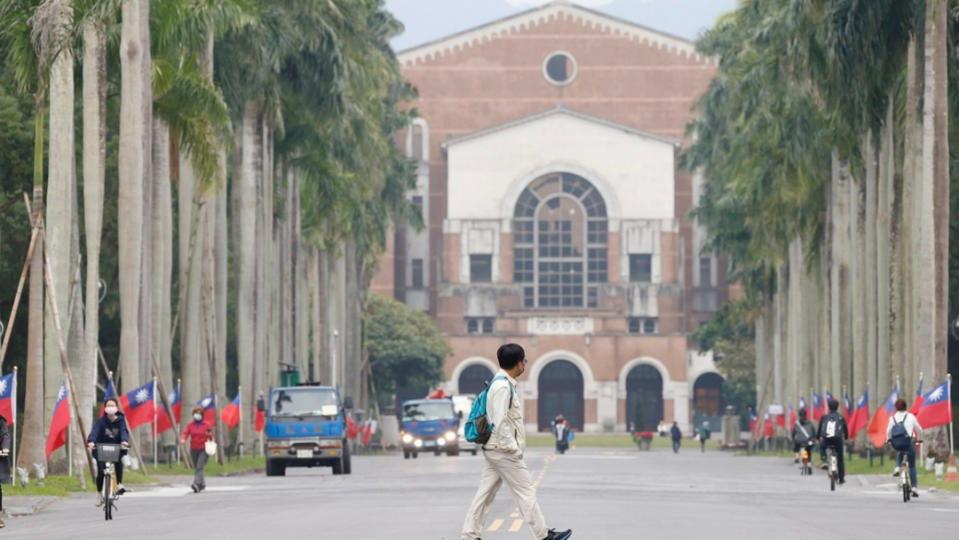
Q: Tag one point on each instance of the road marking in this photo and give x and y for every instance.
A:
(517, 523)
(945, 509)
(514, 515)
(497, 523)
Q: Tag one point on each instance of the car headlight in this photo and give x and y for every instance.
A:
(330, 443)
(440, 442)
(450, 436)
(407, 438)
(417, 443)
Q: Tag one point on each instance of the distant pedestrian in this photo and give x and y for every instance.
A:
(677, 437)
(199, 432)
(504, 453)
(703, 436)
(5, 466)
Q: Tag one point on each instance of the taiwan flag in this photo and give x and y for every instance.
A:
(209, 409)
(164, 419)
(139, 404)
(781, 419)
(936, 407)
(816, 406)
(369, 428)
(259, 414)
(880, 419)
(768, 429)
(8, 397)
(919, 398)
(860, 416)
(803, 404)
(825, 403)
(752, 421)
(846, 406)
(792, 416)
(110, 393)
(57, 436)
(231, 413)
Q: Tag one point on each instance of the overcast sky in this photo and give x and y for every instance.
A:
(426, 20)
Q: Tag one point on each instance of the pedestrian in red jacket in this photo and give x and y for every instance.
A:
(199, 432)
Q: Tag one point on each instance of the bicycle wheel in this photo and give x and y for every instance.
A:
(906, 488)
(832, 483)
(107, 497)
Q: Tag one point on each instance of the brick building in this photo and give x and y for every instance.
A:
(547, 145)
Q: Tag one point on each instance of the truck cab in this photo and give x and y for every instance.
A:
(429, 425)
(306, 427)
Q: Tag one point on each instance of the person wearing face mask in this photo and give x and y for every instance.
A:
(199, 432)
(110, 428)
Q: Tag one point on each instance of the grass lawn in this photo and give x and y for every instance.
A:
(61, 486)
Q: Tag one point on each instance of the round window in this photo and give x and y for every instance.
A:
(560, 68)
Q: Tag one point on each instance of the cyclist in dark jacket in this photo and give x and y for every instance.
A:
(109, 428)
(804, 432)
(833, 433)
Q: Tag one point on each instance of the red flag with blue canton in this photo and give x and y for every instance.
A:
(139, 404)
(803, 404)
(846, 406)
(792, 415)
(816, 406)
(231, 413)
(827, 397)
(860, 416)
(877, 428)
(259, 414)
(209, 409)
(919, 398)
(8, 397)
(164, 421)
(768, 429)
(57, 436)
(936, 407)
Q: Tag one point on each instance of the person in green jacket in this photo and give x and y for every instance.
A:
(703, 436)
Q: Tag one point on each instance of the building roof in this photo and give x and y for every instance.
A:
(559, 110)
(558, 10)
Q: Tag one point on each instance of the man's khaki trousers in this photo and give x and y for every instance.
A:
(508, 468)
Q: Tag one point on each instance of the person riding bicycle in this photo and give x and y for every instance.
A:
(904, 440)
(833, 433)
(803, 433)
(110, 428)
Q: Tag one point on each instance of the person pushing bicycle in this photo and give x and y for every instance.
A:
(913, 432)
(110, 428)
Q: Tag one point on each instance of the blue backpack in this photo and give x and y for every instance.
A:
(898, 437)
(478, 428)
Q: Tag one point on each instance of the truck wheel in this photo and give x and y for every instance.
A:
(274, 468)
(338, 466)
(415, 454)
(406, 454)
(473, 451)
(347, 461)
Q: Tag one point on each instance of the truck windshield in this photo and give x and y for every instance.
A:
(302, 401)
(423, 412)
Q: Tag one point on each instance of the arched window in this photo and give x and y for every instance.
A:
(559, 236)
(474, 379)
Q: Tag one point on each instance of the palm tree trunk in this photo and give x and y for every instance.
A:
(61, 190)
(94, 167)
(869, 264)
(131, 172)
(886, 290)
(192, 357)
(145, 316)
(162, 256)
(245, 184)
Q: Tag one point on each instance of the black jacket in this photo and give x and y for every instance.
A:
(6, 468)
(105, 431)
(676, 434)
(808, 427)
(843, 432)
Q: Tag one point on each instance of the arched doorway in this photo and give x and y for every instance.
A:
(708, 400)
(473, 379)
(560, 392)
(644, 394)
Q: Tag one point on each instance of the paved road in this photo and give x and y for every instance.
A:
(601, 494)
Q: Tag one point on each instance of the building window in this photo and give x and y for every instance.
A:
(641, 268)
(418, 203)
(560, 68)
(479, 325)
(706, 271)
(559, 238)
(481, 268)
(417, 273)
(642, 325)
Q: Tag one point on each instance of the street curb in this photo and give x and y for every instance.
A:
(17, 506)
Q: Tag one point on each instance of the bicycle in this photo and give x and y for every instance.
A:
(109, 455)
(903, 477)
(805, 460)
(833, 468)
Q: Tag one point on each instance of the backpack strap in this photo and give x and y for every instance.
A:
(509, 384)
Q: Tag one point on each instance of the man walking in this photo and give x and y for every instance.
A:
(677, 437)
(504, 453)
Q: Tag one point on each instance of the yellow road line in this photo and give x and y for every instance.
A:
(517, 523)
(514, 515)
(497, 523)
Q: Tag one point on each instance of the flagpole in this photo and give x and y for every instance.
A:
(239, 392)
(154, 423)
(13, 447)
(951, 419)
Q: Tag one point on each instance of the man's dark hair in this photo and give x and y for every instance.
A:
(900, 404)
(803, 414)
(509, 355)
(833, 405)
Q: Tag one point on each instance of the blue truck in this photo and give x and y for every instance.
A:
(429, 425)
(306, 427)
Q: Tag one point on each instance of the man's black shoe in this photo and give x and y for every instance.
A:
(563, 535)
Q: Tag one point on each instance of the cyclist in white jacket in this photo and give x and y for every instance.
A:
(504, 453)
(908, 421)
